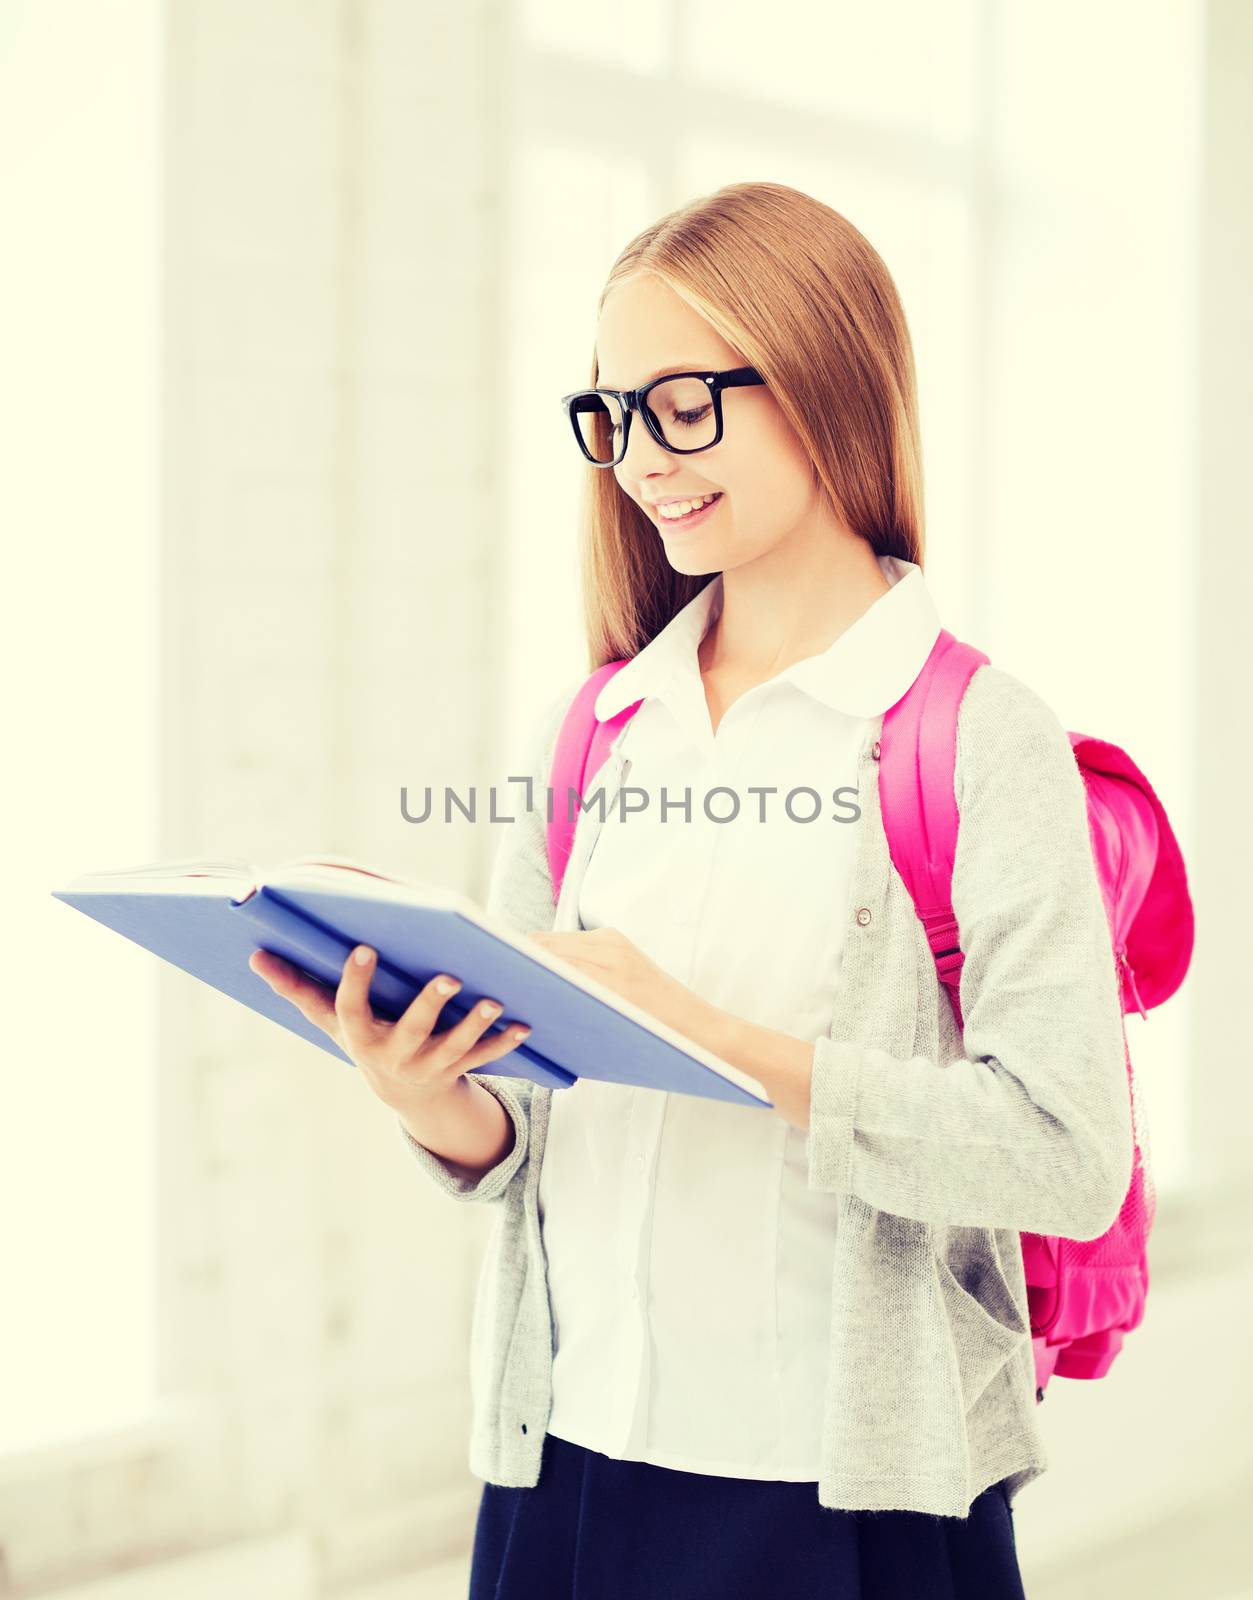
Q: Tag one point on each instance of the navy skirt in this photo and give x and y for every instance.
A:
(594, 1528)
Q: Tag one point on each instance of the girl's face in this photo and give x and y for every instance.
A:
(759, 468)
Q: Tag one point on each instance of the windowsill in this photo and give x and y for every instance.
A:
(170, 1424)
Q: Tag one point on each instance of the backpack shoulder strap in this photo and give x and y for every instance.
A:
(582, 744)
(917, 799)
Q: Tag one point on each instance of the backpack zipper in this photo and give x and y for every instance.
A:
(1121, 952)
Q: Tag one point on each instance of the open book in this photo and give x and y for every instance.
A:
(207, 917)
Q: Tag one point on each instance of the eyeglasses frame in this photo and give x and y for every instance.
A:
(634, 400)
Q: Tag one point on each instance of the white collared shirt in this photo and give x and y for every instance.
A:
(664, 1216)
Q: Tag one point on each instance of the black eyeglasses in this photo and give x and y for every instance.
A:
(682, 411)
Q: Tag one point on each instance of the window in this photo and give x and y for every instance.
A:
(79, 321)
(1046, 263)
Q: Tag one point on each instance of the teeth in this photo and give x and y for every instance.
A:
(680, 508)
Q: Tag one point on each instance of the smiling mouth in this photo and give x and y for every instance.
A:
(694, 513)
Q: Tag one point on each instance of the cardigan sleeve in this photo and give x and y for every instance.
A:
(1031, 1129)
(520, 893)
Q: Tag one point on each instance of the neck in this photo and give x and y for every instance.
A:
(791, 603)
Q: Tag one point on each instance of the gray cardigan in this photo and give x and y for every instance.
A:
(942, 1150)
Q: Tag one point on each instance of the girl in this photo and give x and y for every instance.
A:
(718, 1351)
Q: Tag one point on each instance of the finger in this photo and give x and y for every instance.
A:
(562, 946)
(493, 1047)
(361, 1028)
(310, 998)
(415, 1022)
(448, 1047)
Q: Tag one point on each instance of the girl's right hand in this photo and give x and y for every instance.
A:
(404, 1062)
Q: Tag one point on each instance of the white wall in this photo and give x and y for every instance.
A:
(329, 601)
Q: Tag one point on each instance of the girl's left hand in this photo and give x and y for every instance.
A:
(610, 957)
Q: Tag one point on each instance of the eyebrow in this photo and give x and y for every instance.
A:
(676, 366)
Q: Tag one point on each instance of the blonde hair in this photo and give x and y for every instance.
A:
(808, 301)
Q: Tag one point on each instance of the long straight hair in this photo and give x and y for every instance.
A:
(808, 301)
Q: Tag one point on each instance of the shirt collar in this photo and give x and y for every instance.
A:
(864, 672)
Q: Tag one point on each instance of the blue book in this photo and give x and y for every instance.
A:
(208, 917)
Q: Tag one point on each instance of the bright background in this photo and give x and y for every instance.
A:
(288, 293)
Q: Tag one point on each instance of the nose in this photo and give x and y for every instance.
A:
(643, 453)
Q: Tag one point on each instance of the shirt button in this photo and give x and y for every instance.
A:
(638, 1163)
(863, 915)
(874, 750)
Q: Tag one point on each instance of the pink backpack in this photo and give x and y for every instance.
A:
(1083, 1295)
